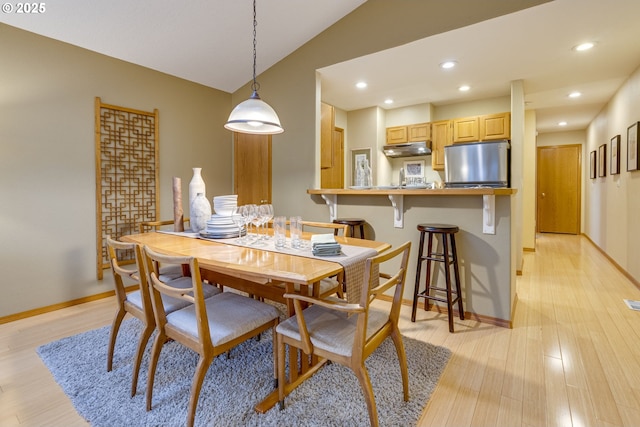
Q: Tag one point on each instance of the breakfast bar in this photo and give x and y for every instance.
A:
(486, 242)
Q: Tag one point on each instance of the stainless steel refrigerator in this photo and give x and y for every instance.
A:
(477, 164)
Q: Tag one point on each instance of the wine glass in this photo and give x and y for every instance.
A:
(266, 211)
(238, 220)
(257, 220)
(250, 213)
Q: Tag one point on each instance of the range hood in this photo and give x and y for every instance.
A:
(409, 149)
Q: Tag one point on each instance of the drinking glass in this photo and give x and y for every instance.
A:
(280, 231)
(238, 220)
(250, 214)
(266, 211)
(256, 220)
(295, 229)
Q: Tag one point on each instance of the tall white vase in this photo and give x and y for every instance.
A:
(200, 213)
(196, 186)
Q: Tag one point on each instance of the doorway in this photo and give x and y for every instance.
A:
(558, 189)
(252, 168)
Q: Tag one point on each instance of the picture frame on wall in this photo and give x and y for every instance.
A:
(602, 160)
(614, 167)
(592, 165)
(358, 155)
(632, 147)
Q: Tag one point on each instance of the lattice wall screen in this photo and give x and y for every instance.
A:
(127, 185)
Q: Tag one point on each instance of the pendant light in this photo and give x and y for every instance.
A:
(254, 115)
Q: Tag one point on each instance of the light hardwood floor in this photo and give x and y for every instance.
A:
(572, 358)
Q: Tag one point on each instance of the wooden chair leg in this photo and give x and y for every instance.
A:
(281, 373)
(115, 327)
(158, 343)
(367, 390)
(196, 385)
(402, 358)
(142, 344)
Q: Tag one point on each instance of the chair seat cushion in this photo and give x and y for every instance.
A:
(229, 316)
(332, 330)
(326, 285)
(172, 304)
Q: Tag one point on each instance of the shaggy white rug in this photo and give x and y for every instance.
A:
(234, 386)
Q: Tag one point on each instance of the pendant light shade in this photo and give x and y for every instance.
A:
(254, 115)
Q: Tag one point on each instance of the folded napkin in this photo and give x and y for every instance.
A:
(325, 245)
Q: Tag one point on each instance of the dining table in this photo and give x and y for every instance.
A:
(261, 271)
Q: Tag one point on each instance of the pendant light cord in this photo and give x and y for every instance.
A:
(255, 86)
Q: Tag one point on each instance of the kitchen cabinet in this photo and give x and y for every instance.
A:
(419, 132)
(410, 133)
(487, 127)
(397, 135)
(440, 138)
(495, 126)
(466, 129)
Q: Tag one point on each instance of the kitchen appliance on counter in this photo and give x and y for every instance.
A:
(409, 149)
(477, 164)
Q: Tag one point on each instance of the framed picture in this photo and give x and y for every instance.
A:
(357, 156)
(414, 169)
(592, 165)
(632, 147)
(602, 160)
(614, 168)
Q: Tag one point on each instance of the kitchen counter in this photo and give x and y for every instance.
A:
(486, 242)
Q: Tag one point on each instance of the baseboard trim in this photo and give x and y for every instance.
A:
(61, 305)
(467, 314)
(615, 264)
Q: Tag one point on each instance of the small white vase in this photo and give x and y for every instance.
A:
(200, 213)
(196, 186)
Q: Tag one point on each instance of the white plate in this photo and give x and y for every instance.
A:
(387, 187)
(360, 187)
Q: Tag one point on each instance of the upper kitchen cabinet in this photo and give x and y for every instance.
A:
(397, 135)
(495, 126)
(410, 133)
(487, 127)
(440, 138)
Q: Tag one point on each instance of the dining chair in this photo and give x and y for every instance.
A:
(137, 302)
(348, 333)
(147, 226)
(209, 327)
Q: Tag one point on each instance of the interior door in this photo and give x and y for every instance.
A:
(252, 168)
(558, 201)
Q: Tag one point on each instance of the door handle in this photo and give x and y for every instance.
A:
(543, 195)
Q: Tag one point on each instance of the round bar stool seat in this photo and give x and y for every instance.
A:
(352, 223)
(449, 257)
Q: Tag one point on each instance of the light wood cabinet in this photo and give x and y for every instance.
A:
(466, 129)
(331, 149)
(487, 127)
(495, 126)
(419, 132)
(440, 138)
(397, 135)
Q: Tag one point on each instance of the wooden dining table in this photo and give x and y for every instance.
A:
(256, 271)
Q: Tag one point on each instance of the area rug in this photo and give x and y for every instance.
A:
(233, 386)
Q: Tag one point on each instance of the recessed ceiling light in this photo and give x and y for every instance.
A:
(388, 101)
(448, 64)
(575, 95)
(562, 123)
(361, 85)
(464, 88)
(584, 46)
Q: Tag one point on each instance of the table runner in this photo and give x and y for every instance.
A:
(352, 258)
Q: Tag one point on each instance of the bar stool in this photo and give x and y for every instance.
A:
(352, 223)
(447, 233)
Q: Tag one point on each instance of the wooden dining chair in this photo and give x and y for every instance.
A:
(348, 333)
(147, 226)
(137, 302)
(209, 327)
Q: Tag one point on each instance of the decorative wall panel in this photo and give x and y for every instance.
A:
(127, 185)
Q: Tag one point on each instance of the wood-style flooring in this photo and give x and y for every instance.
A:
(572, 358)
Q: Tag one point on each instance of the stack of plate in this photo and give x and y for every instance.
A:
(224, 205)
(221, 227)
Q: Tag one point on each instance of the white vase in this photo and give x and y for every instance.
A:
(196, 186)
(200, 213)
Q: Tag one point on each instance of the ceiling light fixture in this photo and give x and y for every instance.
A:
(562, 123)
(254, 115)
(584, 46)
(361, 85)
(448, 64)
(464, 88)
(575, 95)
(388, 101)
